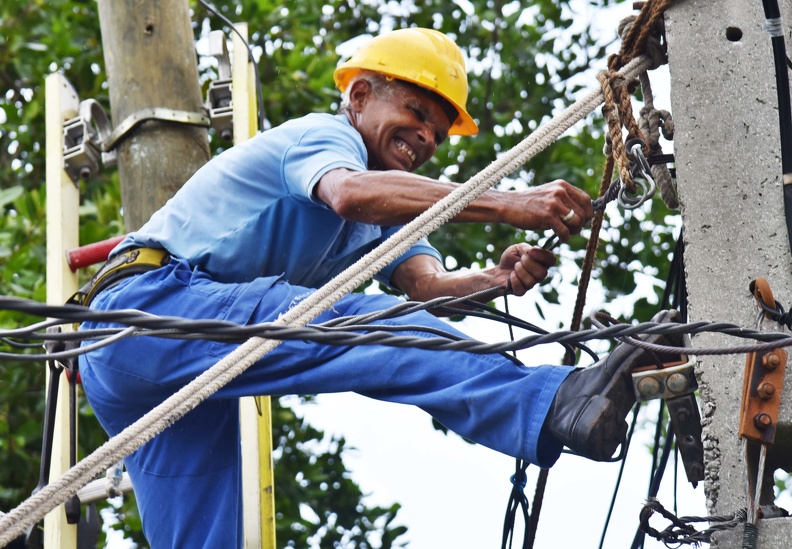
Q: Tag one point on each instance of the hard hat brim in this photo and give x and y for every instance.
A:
(464, 125)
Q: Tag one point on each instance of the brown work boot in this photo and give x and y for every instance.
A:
(590, 407)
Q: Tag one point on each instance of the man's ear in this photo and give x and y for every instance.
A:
(359, 92)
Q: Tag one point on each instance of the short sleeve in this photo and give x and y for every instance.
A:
(328, 146)
(422, 247)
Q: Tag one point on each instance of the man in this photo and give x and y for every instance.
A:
(256, 228)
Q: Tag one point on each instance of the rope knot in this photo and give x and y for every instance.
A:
(642, 34)
(654, 46)
(519, 481)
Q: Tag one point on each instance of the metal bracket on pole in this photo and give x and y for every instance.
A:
(761, 398)
(763, 381)
(82, 141)
(157, 113)
(219, 101)
(676, 383)
(760, 406)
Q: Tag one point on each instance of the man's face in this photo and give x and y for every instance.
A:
(401, 132)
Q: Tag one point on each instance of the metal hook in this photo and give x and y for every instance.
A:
(642, 177)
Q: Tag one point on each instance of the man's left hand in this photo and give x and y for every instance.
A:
(522, 266)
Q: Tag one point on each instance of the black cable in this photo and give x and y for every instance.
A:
(18, 345)
(517, 497)
(517, 500)
(170, 327)
(773, 26)
(680, 531)
(676, 478)
(775, 29)
(674, 296)
(262, 119)
(418, 328)
(634, 422)
(492, 313)
(657, 478)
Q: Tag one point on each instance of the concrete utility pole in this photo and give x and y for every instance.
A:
(728, 164)
(151, 63)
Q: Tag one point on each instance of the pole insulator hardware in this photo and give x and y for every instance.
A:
(135, 119)
(761, 396)
(219, 102)
(763, 380)
(674, 380)
(83, 136)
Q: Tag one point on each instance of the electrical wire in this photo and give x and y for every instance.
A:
(375, 334)
(262, 119)
(627, 442)
(674, 296)
(774, 27)
(517, 497)
(492, 313)
(659, 463)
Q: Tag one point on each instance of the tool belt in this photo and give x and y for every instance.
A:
(131, 262)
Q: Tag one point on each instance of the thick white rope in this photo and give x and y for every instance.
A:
(33, 509)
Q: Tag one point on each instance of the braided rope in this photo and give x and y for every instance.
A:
(636, 37)
(640, 35)
(588, 261)
(651, 122)
(191, 395)
(615, 144)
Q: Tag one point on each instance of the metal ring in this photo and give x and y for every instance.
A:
(630, 203)
(569, 216)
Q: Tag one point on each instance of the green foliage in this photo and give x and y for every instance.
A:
(524, 63)
(22, 259)
(318, 503)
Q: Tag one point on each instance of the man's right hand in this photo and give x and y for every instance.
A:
(558, 206)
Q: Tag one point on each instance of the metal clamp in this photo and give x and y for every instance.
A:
(761, 401)
(219, 103)
(763, 381)
(668, 382)
(675, 382)
(642, 176)
(157, 113)
(82, 141)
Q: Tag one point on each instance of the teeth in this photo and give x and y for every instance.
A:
(402, 146)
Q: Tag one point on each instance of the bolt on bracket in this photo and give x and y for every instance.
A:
(761, 396)
(675, 381)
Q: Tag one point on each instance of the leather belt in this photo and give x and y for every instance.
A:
(131, 262)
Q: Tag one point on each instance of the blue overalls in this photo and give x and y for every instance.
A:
(249, 240)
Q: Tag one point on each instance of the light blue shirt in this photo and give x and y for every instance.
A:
(251, 212)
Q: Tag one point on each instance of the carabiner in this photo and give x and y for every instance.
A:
(642, 177)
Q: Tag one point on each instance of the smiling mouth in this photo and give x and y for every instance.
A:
(404, 148)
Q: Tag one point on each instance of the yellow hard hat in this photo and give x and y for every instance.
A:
(424, 57)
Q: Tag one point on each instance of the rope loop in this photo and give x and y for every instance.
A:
(636, 35)
(680, 531)
(613, 116)
(653, 122)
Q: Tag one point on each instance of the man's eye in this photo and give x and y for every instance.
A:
(418, 113)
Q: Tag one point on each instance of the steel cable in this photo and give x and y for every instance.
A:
(143, 324)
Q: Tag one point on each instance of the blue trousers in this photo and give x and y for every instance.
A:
(187, 479)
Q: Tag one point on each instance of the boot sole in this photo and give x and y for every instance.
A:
(599, 429)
